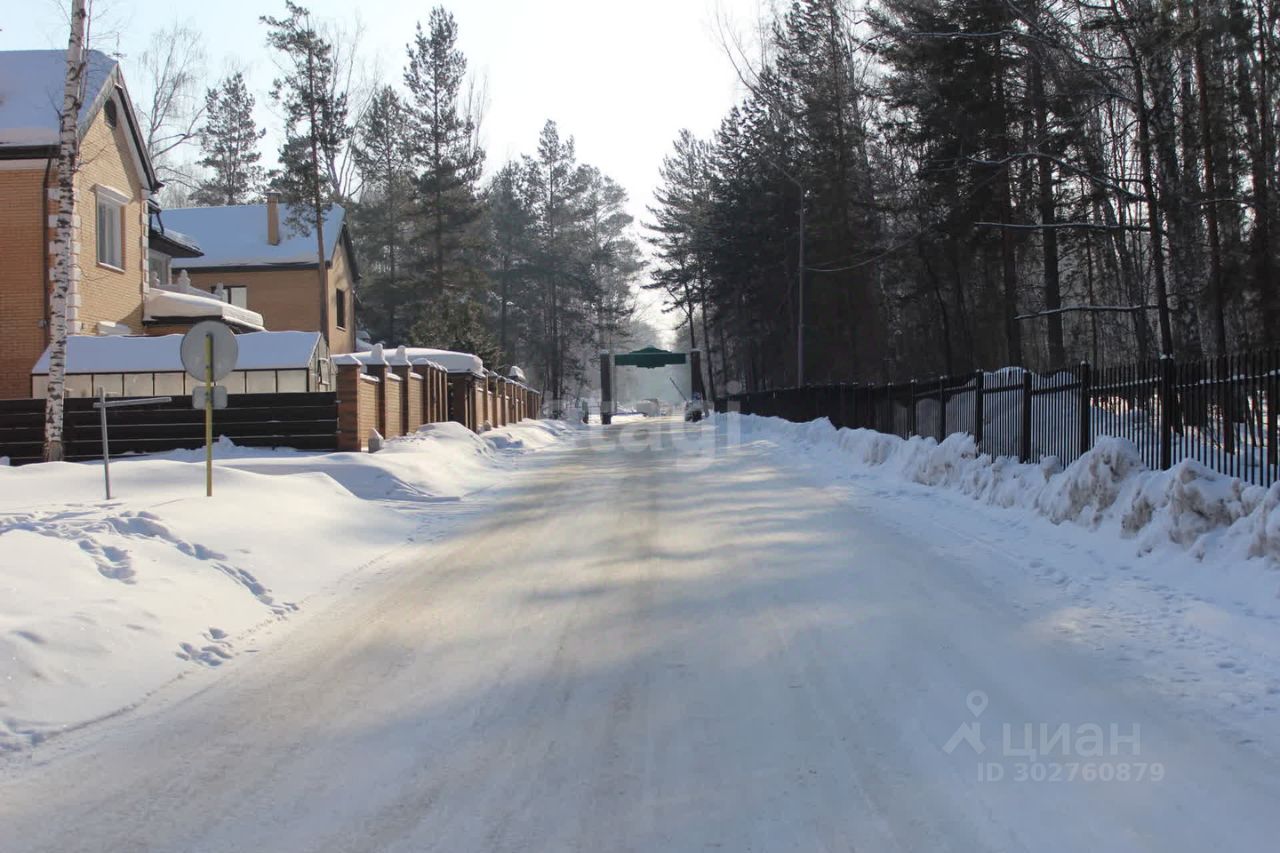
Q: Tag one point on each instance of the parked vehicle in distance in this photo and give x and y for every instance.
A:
(649, 408)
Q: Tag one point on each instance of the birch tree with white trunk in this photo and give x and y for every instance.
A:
(65, 269)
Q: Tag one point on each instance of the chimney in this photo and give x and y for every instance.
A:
(273, 218)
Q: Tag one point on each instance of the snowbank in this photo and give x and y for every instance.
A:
(1189, 507)
(103, 602)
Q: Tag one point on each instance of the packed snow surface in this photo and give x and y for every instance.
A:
(738, 635)
(102, 602)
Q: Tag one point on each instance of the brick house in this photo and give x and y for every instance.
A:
(265, 260)
(115, 187)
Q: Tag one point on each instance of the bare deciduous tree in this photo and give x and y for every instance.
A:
(170, 102)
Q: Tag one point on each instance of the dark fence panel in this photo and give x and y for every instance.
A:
(1223, 412)
(22, 430)
(303, 421)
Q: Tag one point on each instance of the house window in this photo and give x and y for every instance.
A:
(110, 221)
(110, 239)
(236, 294)
(342, 309)
(158, 268)
(109, 112)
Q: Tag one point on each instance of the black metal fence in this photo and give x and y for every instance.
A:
(1222, 412)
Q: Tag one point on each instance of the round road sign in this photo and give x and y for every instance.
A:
(225, 350)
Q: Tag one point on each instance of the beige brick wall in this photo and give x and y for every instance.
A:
(110, 294)
(22, 246)
(288, 300)
(393, 402)
(25, 237)
(341, 339)
(413, 407)
(357, 407)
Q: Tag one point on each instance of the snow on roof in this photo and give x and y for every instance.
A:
(236, 236)
(137, 354)
(31, 92)
(454, 362)
(168, 303)
(368, 358)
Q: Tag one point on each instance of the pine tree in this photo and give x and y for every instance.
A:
(229, 141)
(384, 154)
(556, 183)
(448, 158)
(510, 222)
(612, 260)
(680, 228)
(315, 127)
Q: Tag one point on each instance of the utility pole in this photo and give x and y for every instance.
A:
(800, 288)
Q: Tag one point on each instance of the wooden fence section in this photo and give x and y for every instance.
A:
(22, 430)
(304, 421)
(1222, 412)
(392, 401)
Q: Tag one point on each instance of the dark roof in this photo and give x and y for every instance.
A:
(173, 243)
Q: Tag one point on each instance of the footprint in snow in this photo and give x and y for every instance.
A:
(211, 654)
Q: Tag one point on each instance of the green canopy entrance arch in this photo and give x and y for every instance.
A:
(647, 358)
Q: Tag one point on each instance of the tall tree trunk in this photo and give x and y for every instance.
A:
(1008, 251)
(1217, 310)
(1153, 204)
(317, 201)
(706, 343)
(65, 265)
(1257, 112)
(1048, 216)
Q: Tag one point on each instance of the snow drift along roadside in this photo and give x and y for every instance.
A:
(1188, 507)
(103, 602)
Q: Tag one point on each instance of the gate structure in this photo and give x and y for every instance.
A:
(648, 358)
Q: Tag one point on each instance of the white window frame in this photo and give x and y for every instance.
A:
(113, 202)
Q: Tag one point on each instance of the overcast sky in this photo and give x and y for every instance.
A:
(622, 77)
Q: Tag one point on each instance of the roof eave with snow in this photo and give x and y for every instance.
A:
(161, 353)
(168, 305)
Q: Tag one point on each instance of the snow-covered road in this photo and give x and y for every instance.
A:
(649, 645)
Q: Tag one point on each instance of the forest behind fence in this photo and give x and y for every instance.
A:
(929, 186)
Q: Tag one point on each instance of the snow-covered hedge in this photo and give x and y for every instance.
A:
(1188, 506)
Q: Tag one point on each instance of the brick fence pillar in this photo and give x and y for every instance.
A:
(357, 407)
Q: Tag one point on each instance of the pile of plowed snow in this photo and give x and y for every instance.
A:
(1189, 506)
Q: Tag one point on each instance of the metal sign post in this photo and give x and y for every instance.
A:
(102, 405)
(208, 416)
(106, 448)
(209, 352)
